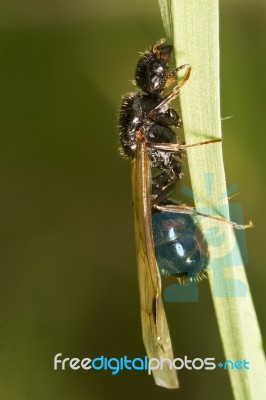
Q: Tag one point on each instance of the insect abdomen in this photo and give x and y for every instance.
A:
(180, 247)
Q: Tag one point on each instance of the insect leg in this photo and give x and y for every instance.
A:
(173, 94)
(160, 180)
(172, 75)
(183, 209)
(166, 191)
(177, 147)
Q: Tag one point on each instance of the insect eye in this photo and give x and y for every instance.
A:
(156, 76)
(155, 80)
(151, 74)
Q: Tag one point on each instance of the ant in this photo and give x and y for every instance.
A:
(146, 122)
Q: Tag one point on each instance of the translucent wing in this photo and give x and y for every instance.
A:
(155, 330)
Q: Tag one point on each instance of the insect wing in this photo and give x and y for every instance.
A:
(155, 330)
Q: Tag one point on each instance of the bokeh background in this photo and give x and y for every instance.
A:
(68, 277)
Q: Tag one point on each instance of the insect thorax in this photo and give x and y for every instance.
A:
(136, 115)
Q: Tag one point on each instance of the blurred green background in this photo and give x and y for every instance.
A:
(68, 269)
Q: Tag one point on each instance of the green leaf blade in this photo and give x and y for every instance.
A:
(193, 27)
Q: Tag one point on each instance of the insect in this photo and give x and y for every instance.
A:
(168, 240)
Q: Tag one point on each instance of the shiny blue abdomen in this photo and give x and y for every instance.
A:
(180, 246)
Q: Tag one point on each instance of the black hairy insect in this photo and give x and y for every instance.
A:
(146, 116)
(168, 238)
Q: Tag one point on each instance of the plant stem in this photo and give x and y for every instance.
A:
(193, 27)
